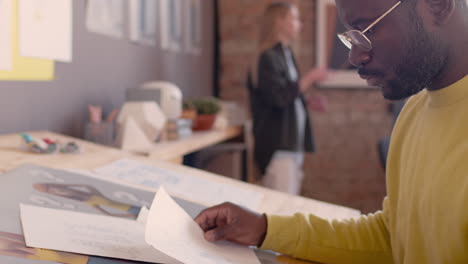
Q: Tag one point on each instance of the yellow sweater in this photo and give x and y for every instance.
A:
(425, 214)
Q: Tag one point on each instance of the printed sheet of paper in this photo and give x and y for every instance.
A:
(5, 35)
(143, 215)
(88, 234)
(169, 229)
(143, 21)
(45, 29)
(181, 185)
(105, 17)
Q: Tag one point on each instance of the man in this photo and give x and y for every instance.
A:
(412, 47)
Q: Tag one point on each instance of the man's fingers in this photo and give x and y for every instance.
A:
(209, 217)
(201, 221)
(210, 236)
(219, 233)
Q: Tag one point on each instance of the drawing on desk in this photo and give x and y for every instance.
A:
(183, 185)
(13, 245)
(18, 186)
(88, 234)
(90, 196)
(46, 175)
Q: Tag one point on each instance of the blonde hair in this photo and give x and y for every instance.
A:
(268, 31)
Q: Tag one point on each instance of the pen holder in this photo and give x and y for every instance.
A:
(100, 133)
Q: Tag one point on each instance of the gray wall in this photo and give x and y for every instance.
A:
(102, 69)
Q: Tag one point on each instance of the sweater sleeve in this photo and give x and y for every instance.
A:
(362, 240)
(275, 87)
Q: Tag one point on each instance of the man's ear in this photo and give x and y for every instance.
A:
(441, 10)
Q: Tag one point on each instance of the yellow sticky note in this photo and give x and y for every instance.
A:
(23, 68)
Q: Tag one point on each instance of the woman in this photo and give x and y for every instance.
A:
(282, 129)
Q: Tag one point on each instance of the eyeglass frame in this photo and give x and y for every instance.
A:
(349, 44)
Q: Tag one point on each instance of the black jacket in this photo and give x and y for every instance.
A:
(273, 111)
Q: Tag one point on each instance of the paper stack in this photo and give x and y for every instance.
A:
(169, 236)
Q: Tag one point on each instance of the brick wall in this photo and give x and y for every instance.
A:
(346, 168)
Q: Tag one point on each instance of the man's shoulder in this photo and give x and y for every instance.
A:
(413, 106)
(415, 102)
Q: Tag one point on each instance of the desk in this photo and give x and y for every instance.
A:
(176, 149)
(94, 156)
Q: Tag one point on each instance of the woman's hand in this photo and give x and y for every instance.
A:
(314, 75)
(317, 103)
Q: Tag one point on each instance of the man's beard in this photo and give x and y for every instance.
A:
(421, 63)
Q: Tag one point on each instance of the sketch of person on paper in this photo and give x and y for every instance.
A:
(13, 245)
(89, 195)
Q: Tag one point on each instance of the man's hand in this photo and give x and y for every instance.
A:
(233, 223)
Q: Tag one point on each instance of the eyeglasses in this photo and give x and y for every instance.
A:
(357, 38)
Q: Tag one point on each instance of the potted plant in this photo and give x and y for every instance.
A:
(207, 108)
(189, 111)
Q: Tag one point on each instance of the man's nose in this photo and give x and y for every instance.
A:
(358, 56)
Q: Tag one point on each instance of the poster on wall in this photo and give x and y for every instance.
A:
(45, 29)
(142, 24)
(331, 53)
(5, 35)
(171, 25)
(105, 17)
(22, 68)
(193, 26)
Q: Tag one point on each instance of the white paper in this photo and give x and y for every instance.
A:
(171, 24)
(193, 26)
(105, 17)
(143, 215)
(142, 21)
(182, 185)
(5, 35)
(170, 229)
(45, 29)
(88, 234)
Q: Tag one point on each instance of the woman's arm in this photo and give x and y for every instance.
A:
(311, 77)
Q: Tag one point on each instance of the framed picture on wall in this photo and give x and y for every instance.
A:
(105, 17)
(142, 16)
(331, 53)
(193, 26)
(171, 24)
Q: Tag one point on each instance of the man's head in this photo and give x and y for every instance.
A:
(411, 46)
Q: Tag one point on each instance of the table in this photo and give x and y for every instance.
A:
(93, 156)
(167, 151)
(174, 150)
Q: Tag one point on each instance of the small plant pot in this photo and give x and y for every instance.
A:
(190, 114)
(204, 122)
